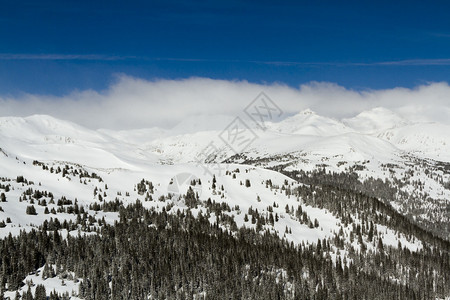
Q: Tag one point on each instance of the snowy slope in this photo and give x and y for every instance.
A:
(46, 129)
(304, 142)
(136, 136)
(122, 181)
(375, 121)
(430, 140)
(308, 122)
(37, 147)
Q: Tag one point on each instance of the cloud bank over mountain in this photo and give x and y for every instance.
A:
(131, 102)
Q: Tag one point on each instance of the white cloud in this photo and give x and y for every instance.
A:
(137, 103)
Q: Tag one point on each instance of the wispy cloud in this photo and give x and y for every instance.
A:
(104, 57)
(408, 62)
(439, 34)
(417, 62)
(12, 56)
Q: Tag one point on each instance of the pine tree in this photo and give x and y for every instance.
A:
(247, 183)
(246, 218)
(214, 182)
(370, 234)
(40, 293)
(29, 295)
(31, 210)
(380, 244)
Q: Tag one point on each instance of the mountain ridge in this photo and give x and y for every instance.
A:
(342, 197)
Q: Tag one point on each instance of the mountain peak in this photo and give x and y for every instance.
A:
(307, 122)
(45, 129)
(307, 112)
(375, 120)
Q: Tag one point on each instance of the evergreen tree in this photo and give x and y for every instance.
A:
(40, 293)
(31, 210)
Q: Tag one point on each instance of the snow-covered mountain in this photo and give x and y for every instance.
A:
(45, 129)
(429, 140)
(376, 120)
(308, 122)
(305, 132)
(403, 164)
(305, 141)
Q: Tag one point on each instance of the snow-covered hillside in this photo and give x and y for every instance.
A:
(366, 144)
(308, 122)
(430, 140)
(51, 168)
(375, 121)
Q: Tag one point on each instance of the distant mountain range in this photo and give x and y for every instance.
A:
(394, 162)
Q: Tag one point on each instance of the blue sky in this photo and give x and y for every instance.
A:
(56, 47)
